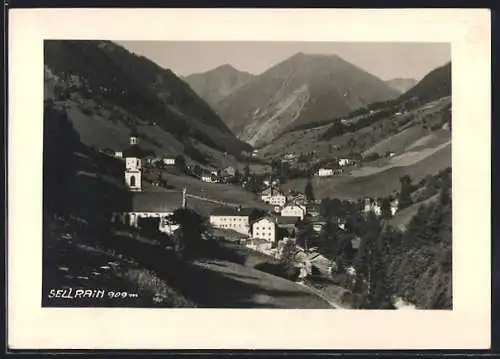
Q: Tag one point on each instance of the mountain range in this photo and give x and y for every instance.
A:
(108, 92)
(297, 91)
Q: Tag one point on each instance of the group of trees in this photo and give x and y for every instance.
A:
(414, 265)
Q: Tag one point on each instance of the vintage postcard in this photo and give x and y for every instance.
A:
(244, 171)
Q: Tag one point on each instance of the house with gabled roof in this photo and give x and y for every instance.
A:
(264, 228)
(237, 219)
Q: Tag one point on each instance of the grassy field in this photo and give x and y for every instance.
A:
(380, 183)
(220, 192)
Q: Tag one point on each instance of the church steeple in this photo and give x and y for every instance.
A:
(134, 137)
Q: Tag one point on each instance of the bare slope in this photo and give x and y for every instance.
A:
(297, 91)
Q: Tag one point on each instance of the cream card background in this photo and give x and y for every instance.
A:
(467, 326)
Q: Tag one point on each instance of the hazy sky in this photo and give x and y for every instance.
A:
(385, 60)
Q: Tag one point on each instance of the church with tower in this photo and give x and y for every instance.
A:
(133, 156)
(153, 203)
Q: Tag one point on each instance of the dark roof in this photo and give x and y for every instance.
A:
(268, 217)
(283, 221)
(231, 211)
(165, 201)
(136, 151)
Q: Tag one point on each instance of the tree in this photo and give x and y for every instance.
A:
(180, 163)
(385, 208)
(287, 252)
(305, 233)
(246, 171)
(197, 170)
(309, 192)
(366, 260)
(405, 192)
(191, 226)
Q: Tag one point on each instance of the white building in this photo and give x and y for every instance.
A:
(294, 210)
(134, 138)
(277, 200)
(209, 178)
(394, 206)
(169, 161)
(237, 219)
(159, 205)
(372, 205)
(264, 228)
(273, 197)
(345, 161)
(119, 154)
(324, 172)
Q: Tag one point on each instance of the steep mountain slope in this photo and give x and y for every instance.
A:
(401, 84)
(107, 91)
(297, 91)
(434, 85)
(216, 84)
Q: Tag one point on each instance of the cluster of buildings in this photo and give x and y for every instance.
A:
(218, 176)
(337, 169)
(148, 158)
(373, 205)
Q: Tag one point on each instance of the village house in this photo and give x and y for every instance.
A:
(372, 205)
(277, 199)
(229, 171)
(209, 178)
(325, 172)
(237, 219)
(168, 161)
(158, 205)
(296, 198)
(293, 210)
(394, 206)
(345, 161)
(264, 228)
(318, 225)
(119, 154)
(273, 197)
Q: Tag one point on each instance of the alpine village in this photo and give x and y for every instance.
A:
(314, 184)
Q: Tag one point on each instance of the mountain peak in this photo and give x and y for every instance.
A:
(215, 84)
(225, 67)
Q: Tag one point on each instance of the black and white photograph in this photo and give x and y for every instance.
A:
(249, 179)
(247, 174)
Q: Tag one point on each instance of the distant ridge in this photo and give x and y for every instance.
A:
(216, 84)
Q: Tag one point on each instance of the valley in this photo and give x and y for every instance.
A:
(273, 190)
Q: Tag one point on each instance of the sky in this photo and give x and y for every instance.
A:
(385, 60)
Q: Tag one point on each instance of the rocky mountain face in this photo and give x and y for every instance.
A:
(216, 84)
(300, 90)
(108, 91)
(401, 84)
